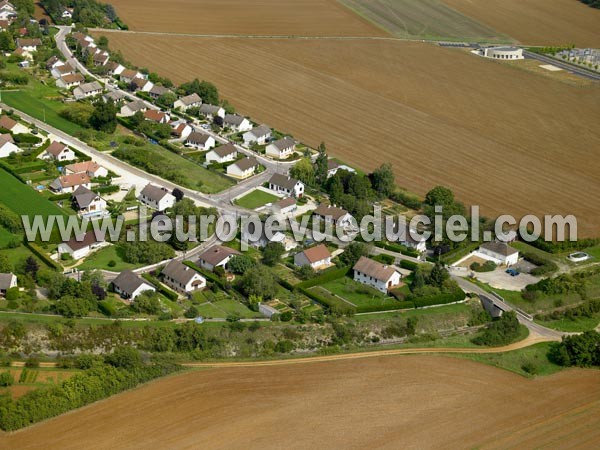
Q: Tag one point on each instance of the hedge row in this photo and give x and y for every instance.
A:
(12, 171)
(107, 189)
(397, 248)
(40, 253)
(326, 276)
(438, 299)
(31, 167)
(409, 265)
(332, 303)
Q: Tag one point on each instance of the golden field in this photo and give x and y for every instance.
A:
(380, 402)
(505, 138)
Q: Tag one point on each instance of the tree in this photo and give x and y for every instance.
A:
(321, 165)
(167, 99)
(438, 275)
(240, 264)
(259, 281)
(147, 302)
(5, 264)
(70, 306)
(382, 180)
(304, 171)
(104, 117)
(191, 312)
(207, 91)
(103, 42)
(7, 43)
(439, 196)
(6, 379)
(306, 272)
(353, 252)
(125, 358)
(272, 253)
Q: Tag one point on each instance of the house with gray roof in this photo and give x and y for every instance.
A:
(156, 197)
(243, 168)
(281, 148)
(129, 285)
(285, 185)
(7, 281)
(236, 122)
(182, 278)
(257, 135)
(224, 153)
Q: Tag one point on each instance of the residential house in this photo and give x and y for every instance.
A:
(114, 68)
(87, 90)
(333, 166)
(91, 168)
(61, 70)
(181, 129)
(12, 125)
(69, 183)
(59, 152)
(317, 257)
(154, 115)
(87, 202)
(81, 246)
(216, 256)
(7, 145)
(7, 11)
(158, 91)
(236, 122)
(200, 141)
(334, 215)
(210, 111)
(129, 285)
(286, 205)
(52, 62)
(67, 13)
(142, 84)
(157, 197)
(379, 276)
(413, 239)
(100, 58)
(187, 102)
(222, 154)
(283, 184)
(131, 108)
(499, 252)
(281, 148)
(70, 81)
(115, 96)
(7, 281)
(29, 45)
(182, 278)
(243, 168)
(249, 235)
(257, 135)
(128, 75)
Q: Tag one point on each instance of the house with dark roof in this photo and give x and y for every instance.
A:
(81, 246)
(210, 111)
(157, 197)
(131, 108)
(200, 141)
(157, 91)
(187, 102)
(87, 202)
(334, 215)
(128, 75)
(182, 278)
(59, 152)
(29, 45)
(499, 252)
(285, 185)
(257, 135)
(281, 148)
(70, 81)
(243, 168)
(216, 256)
(141, 84)
(7, 281)
(224, 153)
(154, 115)
(236, 122)
(333, 166)
(317, 257)
(285, 206)
(61, 69)
(181, 129)
(87, 90)
(379, 276)
(129, 285)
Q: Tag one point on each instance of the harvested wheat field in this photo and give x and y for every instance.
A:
(240, 17)
(537, 22)
(507, 139)
(392, 402)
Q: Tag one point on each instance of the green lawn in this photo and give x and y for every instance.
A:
(358, 294)
(230, 306)
(6, 237)
(255, 199)
(572, 326)
(101, 258)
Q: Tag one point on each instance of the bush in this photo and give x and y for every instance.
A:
(6, 379)
(500, 332)
(409, 265)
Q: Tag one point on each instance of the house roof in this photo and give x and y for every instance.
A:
(246, 163)
(7, 123)
(56, 148)
(225, 150)
(90, 87)
(114, 95)
(154, 115)
(330, 211)
(500, 248)
(84, 197)
(159, 90)
(209, 109)
(128, 282)
(129, 73)
(288, 201)
(283, 181)
(51, 61)
(6, 280)
(374, 269)
(260, 131)
(217, 254)
(100, 56)
(180, 272)
(284, 143)
(4, 138)
(190, 99)
(71, 180)
(72, 78)
(136, 105)
(178, 130)
(82, 241)
(28, 42)
(140, 82)
(197, 138)
(64, 69)
(112, 65)
(317, 253)
(155, 193)
(233, 119)
(85, 166)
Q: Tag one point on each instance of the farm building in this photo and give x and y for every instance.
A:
(502, 52)
(375, 274)
(129, 285)
(182, 278)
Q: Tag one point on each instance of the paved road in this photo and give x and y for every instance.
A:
(563, 65)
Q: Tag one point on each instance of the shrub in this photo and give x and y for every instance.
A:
(500, 332)
(112, 263)
(6, 379)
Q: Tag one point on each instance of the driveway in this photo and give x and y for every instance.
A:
(499, 279)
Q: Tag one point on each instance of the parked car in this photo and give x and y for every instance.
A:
(512, 272)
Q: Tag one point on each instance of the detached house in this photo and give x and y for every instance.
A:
(332, 214)
(12, 125)
(100, 58)
(257, 135)
(91, 168)
(142, 84)
(216, 256)
(236, 122)
(128, 75)
(222, 154)
(52, 62)
(156, 197)
(333, 166)
(243, 168)
(499, 252)
(285, 206)
(70, 81)
(129, 285)
(7, 281)
(131, 108)
(59, 152)
(182, 278)
(62, 69)
(68, 183)
(87, 90)
(317, 257)
(209, 111)
(283, 184)
(114, 68)
(200, 141)
(81, 246)
(181, 129)
(282, 148)
(7, 145)
(87, 202)
(416, 242)
(156, 116)
(187, 102)
(375, 274)
(158, 91)
(29, 45)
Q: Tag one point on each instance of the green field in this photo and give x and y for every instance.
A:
(572, 326)
(40, 101)
(359, 295)
(423, 19)
(100, 259)
(255, 199)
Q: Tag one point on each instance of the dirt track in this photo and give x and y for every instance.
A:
(385, 402)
